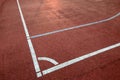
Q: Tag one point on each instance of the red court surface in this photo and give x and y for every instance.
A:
(60, 40)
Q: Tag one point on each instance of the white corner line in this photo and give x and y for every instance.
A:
(48, 59)
(73, 61)
(75, 27)
(32, 51)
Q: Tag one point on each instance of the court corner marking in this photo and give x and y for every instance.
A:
(67, 63)
(75, 60)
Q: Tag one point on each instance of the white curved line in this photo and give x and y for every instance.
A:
(75, 27)
(80, 58)
(48, 59)
(32, 51)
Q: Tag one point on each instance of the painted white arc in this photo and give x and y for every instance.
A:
(67, 63)
(73, 61)
(48, 59)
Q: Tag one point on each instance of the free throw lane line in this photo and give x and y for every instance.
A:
(32, 51)
(75, 27)
(73, 61)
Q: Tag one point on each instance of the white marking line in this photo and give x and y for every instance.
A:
(48, 59)
(32, 51)
(75, 27)
(70, 62)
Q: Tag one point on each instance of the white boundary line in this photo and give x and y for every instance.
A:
(75, 27)
(67, 63)
(75, 60)
(32, 51)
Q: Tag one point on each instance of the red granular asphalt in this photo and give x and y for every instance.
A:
(48, 15)
(44, 16)
(74, 43)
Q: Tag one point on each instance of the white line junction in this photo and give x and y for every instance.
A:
(58, 66)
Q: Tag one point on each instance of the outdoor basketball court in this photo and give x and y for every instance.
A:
(60, 39)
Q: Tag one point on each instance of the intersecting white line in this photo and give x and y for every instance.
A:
(32, 51)
(67, 63)
(75, 60)
(75, 27)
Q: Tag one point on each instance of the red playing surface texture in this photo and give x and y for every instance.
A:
(74, 43)
(48, 15)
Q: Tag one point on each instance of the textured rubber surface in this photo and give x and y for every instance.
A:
(48, 15)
